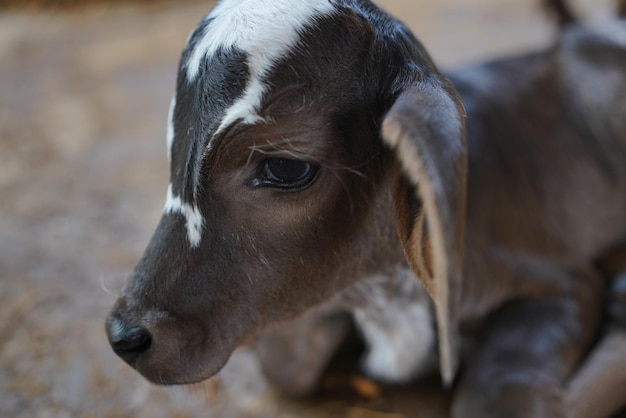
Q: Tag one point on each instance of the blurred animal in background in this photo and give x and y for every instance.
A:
(560, 10)
(563, 11)
(320, 162)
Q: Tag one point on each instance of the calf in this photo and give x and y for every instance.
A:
(314, 146)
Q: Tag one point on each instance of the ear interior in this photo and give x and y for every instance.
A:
(425, 128)
(413, 229)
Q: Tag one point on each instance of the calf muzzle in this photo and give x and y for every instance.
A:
(129, 342)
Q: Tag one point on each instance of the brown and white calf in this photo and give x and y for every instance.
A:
(315, 147)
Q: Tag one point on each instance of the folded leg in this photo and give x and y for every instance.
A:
(529, 351)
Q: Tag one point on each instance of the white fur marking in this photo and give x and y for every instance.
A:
(615, 31)
(170, 129)
(400, 342)
(394, 315)
(192, 214)
(265, 30)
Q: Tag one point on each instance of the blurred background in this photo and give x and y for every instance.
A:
(85, 88)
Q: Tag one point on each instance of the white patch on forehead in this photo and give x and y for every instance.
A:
(174, 205)
(265, 30)
(170, 129)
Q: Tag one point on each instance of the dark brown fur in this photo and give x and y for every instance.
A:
(501, 218)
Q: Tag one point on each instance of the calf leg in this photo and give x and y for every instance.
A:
(598, 389)
(530, 349)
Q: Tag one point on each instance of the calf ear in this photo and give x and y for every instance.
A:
(425, 128)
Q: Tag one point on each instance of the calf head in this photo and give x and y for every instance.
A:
(302, 136)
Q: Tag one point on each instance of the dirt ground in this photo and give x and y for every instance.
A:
(83, 102)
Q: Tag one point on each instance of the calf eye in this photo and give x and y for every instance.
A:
(285, 174)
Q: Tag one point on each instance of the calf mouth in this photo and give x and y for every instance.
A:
(167, 350)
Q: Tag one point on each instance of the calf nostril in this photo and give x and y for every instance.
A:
(135, 341)
(127, 342)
